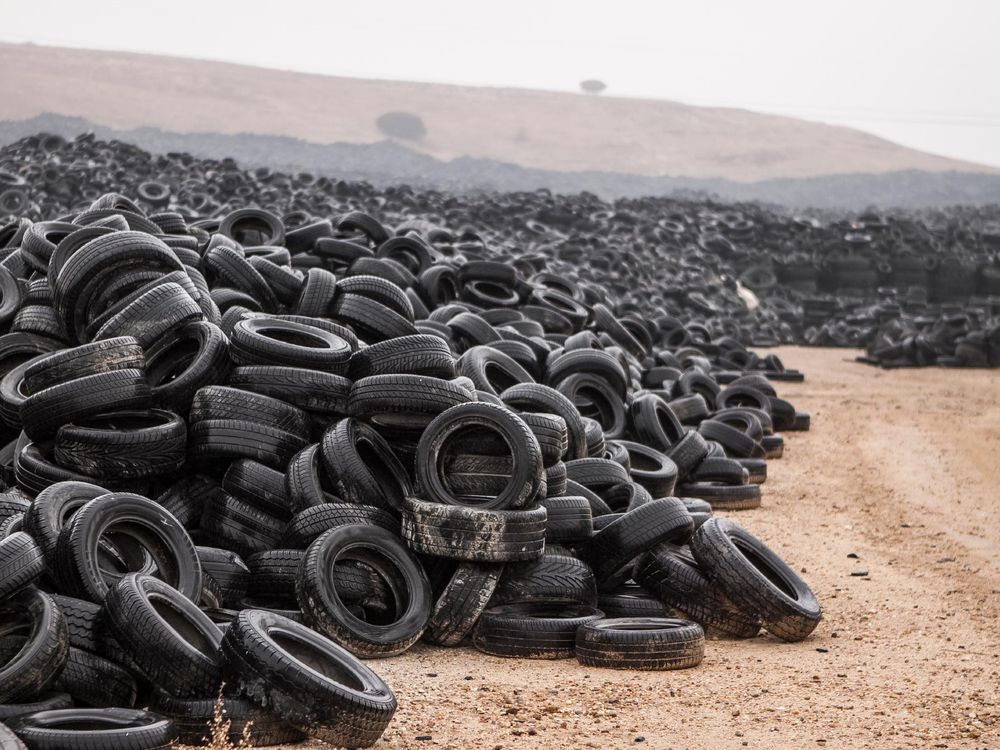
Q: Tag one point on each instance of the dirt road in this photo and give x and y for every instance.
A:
(902, 469)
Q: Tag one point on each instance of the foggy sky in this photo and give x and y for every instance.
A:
(917, 72)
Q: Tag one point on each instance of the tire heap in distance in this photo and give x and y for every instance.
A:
(249, 450)
(700, 270)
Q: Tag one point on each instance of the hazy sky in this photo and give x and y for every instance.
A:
(918, 72)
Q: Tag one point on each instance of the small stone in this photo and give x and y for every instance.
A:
(432, 674)
(639, 738)
(853, 555)
(859, 573)
(822, 650)
(835, 634)
(423, 737)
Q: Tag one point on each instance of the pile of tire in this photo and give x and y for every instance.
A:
(700, 269)
(242, 453)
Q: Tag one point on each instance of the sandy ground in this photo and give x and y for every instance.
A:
(900, 469)
(541, 129)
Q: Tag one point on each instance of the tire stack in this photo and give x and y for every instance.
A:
(250, 450)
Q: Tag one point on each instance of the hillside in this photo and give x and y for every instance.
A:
(535, 130)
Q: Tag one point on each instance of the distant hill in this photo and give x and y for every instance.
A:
(387, 162)
(536, 130)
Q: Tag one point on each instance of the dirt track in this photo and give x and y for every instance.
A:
(901, 468)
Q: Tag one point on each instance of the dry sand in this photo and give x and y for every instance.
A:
(901, 469)
(547, 130)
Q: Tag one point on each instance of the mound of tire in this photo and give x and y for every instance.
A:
(699, 269)
(244, 452)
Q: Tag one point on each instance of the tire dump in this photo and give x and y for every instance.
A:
(264, 429)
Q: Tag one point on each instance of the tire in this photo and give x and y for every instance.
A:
(184, 360)
(724, 496)
(690, 409)
(381, 550)
(596, 363)
(719, 469)
(133, 517)
(44, 702)
(50, 511)
(21, 563)
(532, 631)
(305, 481)
(270, 341)
(273, 661)
(491, 370)
(473, 534)
(421, 354)
(463, 599)
(773, 445)
(228, 571)
(596, 473)
(756, 579)
(185, 499)
(378, 289)
(43, 413)
(121, 353)
(273, 574)
(550, 432)
(569, 519)
(371, 320)
(556, 480)
(229, 439)
(363, 466)
(756, 469)
(640, 643)
(801, 422)
(551, 578)
(120, 729)
(152, 315)
(651, 469)
(655, 423)
(223, 402)
(541, 398)
(307, 525)
(123, 444)
(229, 267)
(36, 665)
(260, 486)
(240, 526)
(317, 293)
(406, 401)
(616, 545)
(83, 621)
(167, 637)
(97, 681)
(311, 390)
(673, 575)
(688, 454)
(527, 472)
(632, 600)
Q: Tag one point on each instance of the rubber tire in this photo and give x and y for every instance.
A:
(640, 643)
(756, 579)
(275, 678)
(381, 550)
